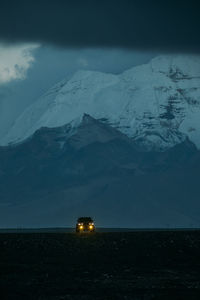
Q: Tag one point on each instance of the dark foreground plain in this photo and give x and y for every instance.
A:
(138, 265)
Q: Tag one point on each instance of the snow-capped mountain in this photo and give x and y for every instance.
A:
(156, 104)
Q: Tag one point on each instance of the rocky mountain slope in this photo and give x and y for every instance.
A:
(157, 104)
(94, 169)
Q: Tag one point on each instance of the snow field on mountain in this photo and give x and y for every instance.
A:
(156, 104)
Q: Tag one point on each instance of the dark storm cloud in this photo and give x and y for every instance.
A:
(168, 25)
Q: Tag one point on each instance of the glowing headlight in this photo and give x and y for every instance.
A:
(91, 226)
(81, 226)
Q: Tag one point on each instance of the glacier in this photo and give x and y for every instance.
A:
(156, 104)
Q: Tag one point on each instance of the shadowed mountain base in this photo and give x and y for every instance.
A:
(52, 178)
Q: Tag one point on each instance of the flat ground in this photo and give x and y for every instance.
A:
(117, 265)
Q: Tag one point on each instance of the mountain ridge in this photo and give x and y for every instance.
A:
(53, 177)
(156, 104)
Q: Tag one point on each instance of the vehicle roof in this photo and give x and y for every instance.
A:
(85, 219)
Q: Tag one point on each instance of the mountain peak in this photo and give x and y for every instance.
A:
(91, 131)
(86, 119)
(185, 65)
(156, 104)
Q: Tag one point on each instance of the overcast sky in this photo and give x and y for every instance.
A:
(138, 24)
(42, 42)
